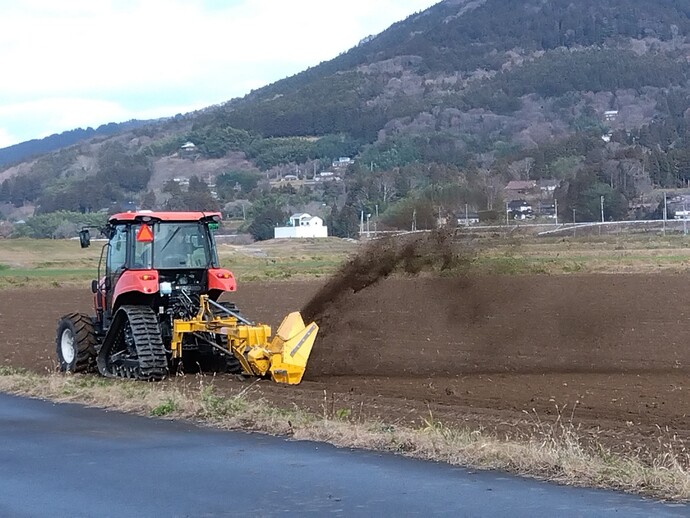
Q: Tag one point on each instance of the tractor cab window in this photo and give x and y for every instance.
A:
(182, 245)
(143, 248)
(117, 251)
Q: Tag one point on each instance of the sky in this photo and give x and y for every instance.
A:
(77, 63)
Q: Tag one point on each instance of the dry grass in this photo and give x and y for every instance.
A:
(608, 254)
(59, 263)
(286, 259)
(55, 263)
(552, 450)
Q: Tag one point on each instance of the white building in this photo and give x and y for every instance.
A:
(611, 115)
(343, 161)
(302, 225)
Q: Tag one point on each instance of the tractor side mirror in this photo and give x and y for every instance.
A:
(84, 238)
(94, 286)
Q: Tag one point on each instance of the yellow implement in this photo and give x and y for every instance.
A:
(285, 357)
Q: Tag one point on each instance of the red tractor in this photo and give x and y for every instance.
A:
(157, 311)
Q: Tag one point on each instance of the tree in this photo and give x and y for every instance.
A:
(344, 222)
(232, 181)
(119, 166)
(267, 216)
(584, 195)
(148, 200)
(197, 197)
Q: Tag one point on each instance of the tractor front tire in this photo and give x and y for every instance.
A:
(76, 343)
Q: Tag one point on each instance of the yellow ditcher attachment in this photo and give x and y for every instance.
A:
(284, 357)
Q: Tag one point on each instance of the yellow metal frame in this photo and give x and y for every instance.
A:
(285, 357)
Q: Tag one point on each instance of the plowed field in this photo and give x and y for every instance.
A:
(609, 352)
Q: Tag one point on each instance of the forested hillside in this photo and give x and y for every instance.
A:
(35, 147)
(439, 112)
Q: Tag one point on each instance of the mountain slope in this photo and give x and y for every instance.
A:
(30, 148)
(417, 63)
(441, 110)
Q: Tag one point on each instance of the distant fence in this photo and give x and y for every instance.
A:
(671, 226)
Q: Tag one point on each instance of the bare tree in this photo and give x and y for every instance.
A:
(521, 169)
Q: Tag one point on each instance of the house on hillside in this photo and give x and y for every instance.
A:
(327, 176)
(188, 150)
(546, 210)
(302, 226)
(343, 161)
(520, 210)
(519, 188)
(467, 218)
(610, 115)
(548, 186)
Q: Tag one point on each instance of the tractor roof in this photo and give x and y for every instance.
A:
(144, 215)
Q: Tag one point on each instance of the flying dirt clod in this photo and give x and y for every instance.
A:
(379, 259)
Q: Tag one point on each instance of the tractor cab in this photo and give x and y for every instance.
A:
(165, 245)
(151, 258)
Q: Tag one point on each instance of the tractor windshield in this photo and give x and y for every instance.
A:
(173, 245)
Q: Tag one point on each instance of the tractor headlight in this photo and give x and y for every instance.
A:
(165, 288)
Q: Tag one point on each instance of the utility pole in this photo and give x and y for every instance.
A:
(574, 226)
(467, 215)
(685, 219)
(414, 220)
(507, 214)
(556, 209)
(602, 209)
(665, 212)
(361, 224)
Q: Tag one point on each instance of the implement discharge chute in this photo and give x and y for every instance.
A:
(157, 309)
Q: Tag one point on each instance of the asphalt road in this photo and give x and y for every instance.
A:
(66, 460)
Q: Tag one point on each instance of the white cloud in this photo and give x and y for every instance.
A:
(129, 58)
(53, 115)
(6, 139)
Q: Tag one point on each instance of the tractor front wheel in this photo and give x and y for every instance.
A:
(76, 343)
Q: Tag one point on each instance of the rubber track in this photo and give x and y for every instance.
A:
(153, 362)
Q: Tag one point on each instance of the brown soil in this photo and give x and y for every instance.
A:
(610, 351)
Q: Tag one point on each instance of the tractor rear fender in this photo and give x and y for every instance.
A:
(221, 280)
(142, 281)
